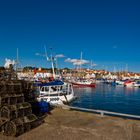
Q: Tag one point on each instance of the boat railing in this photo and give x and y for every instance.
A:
(103, 112)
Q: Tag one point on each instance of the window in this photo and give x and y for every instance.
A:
(42, 88)
(46, 88)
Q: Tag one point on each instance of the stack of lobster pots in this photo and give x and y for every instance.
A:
(16, 115)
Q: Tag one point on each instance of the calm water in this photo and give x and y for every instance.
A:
(110, 98)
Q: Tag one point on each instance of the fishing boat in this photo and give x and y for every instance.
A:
(120, 82)
(55, 92)
(83, 83)
(137, 84)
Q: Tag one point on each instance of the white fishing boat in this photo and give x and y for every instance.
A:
(137, 84)
(55, 92)
(120, 82)
(83, 83)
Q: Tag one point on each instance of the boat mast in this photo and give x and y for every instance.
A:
(126, 69)
(57, 69)
(114, 69)
(81, 61)
(50, 59)
(52, 63)
(17, 61)
(91, 65)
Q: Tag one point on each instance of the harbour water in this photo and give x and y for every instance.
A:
(110, 98)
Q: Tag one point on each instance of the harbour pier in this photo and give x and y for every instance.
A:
(65, 124)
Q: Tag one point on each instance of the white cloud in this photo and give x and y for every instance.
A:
(77, 61)
(93, 65)
(39, 54)
(59, 56)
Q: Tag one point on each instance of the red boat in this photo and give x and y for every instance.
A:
(129, 83)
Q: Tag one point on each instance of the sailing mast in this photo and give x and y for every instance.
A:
(91, 65)
(17, 63)
(81, 57)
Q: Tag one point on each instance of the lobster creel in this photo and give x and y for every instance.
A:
(15, 111)
(20, 125)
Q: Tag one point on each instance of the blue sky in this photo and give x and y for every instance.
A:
(106, 31)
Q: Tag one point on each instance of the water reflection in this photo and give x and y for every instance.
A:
(111, 98)
(130, 90)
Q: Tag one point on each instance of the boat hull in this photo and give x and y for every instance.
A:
(57, 100)
(84, 85)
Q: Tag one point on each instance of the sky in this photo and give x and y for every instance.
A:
(107, 32)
